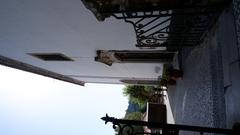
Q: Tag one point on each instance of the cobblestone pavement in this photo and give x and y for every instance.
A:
(236, 9)
(208, 94)
(198, 99)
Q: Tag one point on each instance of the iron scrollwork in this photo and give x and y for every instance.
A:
(125, 127)
(169, 27)
(151, 28)
(186, 26)
(171, 24)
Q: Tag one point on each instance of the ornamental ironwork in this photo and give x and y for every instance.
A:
(162, 23)
(126, 127)
(157, 124)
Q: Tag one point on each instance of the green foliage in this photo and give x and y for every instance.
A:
(134, 116)
(138, 94)
(165, 75)
(163, 82)
(170, 75)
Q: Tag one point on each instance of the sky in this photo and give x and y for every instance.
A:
(36, 105)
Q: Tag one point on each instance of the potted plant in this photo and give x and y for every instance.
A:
(170, 75)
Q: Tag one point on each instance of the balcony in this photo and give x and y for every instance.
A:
(162, 23)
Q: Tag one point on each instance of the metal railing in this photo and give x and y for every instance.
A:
(172, 28)
(161, 23)
(125, 127)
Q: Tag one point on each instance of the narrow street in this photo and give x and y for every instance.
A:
(208, 94)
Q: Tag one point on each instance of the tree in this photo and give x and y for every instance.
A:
(134, 116)
(138, 94)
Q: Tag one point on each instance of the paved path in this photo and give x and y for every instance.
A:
(194, 100)
(209, 93)
(198, 99)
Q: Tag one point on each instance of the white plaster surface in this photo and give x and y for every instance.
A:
(60, 26)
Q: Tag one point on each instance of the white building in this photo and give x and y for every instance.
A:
(60, 39)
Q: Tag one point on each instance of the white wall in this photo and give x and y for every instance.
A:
(33, 26)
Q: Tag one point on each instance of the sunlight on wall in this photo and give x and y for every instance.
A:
(170, 118)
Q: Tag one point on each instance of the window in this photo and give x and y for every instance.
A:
(51, 56)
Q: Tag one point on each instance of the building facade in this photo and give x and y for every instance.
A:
(63, 40)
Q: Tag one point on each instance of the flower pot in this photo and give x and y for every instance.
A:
(175, 74)
(172, 82)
